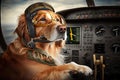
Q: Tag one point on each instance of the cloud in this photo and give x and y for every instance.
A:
(9, 16)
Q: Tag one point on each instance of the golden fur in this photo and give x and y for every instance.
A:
(16, 66)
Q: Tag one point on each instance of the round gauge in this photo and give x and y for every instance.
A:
(116, 48)
(116, 30)
(100, 30)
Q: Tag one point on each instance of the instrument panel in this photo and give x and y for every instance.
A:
(93, 30)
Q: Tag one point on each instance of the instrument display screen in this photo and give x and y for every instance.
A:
(73, 35)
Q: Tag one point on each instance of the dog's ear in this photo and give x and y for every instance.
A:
(21, 29)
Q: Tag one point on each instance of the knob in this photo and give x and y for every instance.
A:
(100, 30)
(64, 51)
(116, 48)
(116, 30)
(85, 56)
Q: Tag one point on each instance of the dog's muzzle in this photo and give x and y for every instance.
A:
(61, 29)
(61, 32)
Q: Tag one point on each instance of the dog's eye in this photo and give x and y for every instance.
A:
(57, 19)
(42, 19)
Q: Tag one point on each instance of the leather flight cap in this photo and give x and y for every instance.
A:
(32, 9)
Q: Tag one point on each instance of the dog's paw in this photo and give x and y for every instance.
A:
(76, 75)
(83, 69)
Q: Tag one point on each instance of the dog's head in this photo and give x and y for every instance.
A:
(41, 24)
(50, 25)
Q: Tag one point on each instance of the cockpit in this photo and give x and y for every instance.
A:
(93, 33)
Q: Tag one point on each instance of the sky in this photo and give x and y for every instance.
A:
(12, 9)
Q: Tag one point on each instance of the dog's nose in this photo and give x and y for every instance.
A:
(61, 29)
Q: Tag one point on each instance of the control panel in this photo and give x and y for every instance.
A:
(86, 39)
(94, 30)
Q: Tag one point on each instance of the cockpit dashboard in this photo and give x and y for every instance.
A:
(94, 31)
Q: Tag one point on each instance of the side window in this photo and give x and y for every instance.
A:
(3, 44)
(7, 35)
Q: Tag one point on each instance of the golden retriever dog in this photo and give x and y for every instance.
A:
(35, 54)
